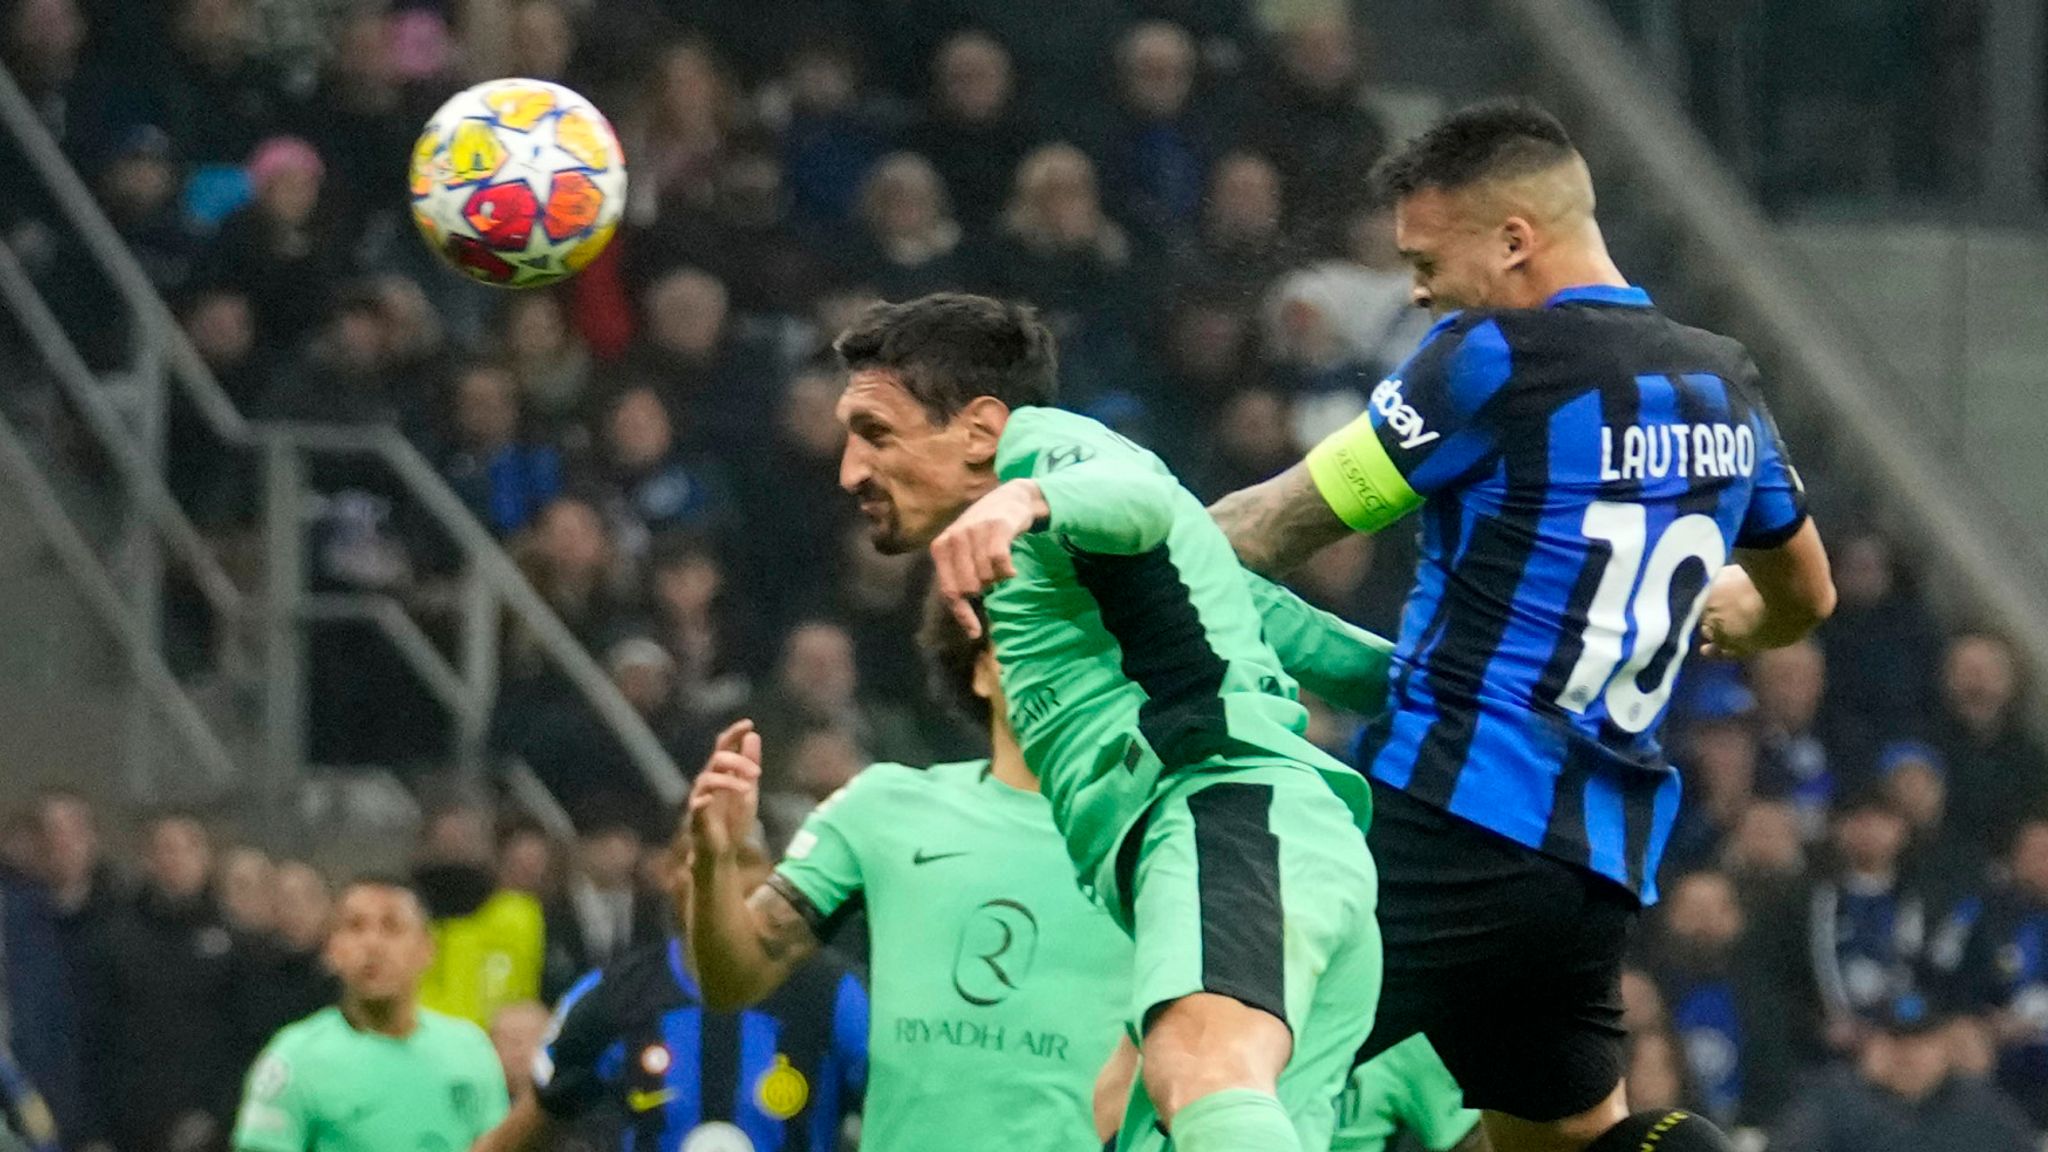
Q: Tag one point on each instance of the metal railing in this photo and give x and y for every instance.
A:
(493, 589)
(1726, 244)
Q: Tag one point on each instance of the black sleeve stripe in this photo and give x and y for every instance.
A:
(817, 920)
(1765, 541)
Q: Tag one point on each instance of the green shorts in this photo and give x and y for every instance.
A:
(1406, 1088)
(1256, 884)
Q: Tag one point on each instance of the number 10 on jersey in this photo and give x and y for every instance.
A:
(1629, 588)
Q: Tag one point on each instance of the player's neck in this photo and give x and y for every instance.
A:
(1006, 758)
(1580, 264)
(394, 1018)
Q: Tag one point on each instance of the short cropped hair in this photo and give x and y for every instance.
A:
(949, 660)
(390, 882)
(1499, 139)
(950, 348)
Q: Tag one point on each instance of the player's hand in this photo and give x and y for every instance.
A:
(726, 795)
(1734, 609)
(973, 554)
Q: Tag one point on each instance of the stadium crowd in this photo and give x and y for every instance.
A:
(1853, 948)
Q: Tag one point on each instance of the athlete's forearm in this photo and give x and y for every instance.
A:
(734, 969)
(524, 1129)
(1327, 654)
(1109, 508)
(1276, 525)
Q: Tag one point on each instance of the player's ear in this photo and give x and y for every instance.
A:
(1518, 241)
(983, 421)
(988, 679)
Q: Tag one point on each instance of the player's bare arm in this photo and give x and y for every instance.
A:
(1277, 525)
(973, 553)
(527, 1128)
(1113, 1088)
(1769, 598)
(745, 938)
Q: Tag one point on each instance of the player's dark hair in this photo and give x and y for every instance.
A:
(951, 347)
(390, 882)
(1499, 139)
(949, 660)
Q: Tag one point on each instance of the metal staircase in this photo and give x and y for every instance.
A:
(84, 680)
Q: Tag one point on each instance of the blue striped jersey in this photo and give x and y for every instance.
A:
(1585, 468)
(634, 1041)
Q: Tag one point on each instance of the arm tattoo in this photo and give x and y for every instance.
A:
(1276, 525)
(781, 929)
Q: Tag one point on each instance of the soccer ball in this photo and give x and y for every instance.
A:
(518, 183)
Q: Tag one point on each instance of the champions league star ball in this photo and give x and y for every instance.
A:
(518, 183)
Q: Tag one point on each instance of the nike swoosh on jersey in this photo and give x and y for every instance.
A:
(923, 857)
(649, 1101)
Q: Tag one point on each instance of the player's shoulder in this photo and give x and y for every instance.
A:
(321, 1031)
(1042, 439)
(511, 908)
(883, 778)
(963, 773)
(446, 1029)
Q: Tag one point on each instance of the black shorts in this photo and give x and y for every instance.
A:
(1507, 959)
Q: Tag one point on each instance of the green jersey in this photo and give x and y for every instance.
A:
(323, 1086)
(1406, 1088)
(997, 989)
(1133, 645)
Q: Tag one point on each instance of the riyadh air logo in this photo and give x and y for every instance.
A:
(997, 948)
(1400, 415)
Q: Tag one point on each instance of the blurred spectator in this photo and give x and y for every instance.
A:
(1239, 246)
(817, 685)
(1915, 783)
(676, 134)
(163, 1003)
(660, 485)
(1156, 160)
(1209, 353)
(1309, 117)
(795, 486)
(84, 890)
(1058, 250)
(972, 132)
(1339, 325)
(1868, 925)
(363, 123)
(139, 189)
(519, 1032)
(909, 245)
(289, 977)
(2002, 970)
(526, 860)
(1904, 1095)
(543, 40)
(504, 478)
(1730, 1018)
(247, 889)
(41, 50)
(832, 139)
(1879, 616)
(573, 564)
(488, 943)
(1718, 758)
(879, 599)
(1253, 440)
(602, 912)
(552, 367)
(1998, 772)
(718, 384)
(217, 487)
(39, 1021)
(1801, 762)
(205, 83)
(281, 248)
(698, 620)
(745, 238)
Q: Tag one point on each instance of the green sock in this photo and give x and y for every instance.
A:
(1236, 1120)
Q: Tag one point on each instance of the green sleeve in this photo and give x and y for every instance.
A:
(821, 872)
(496, 1094)
(1433, 1107)
(1328, 655)
(1104, 494)
(275, 1116)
